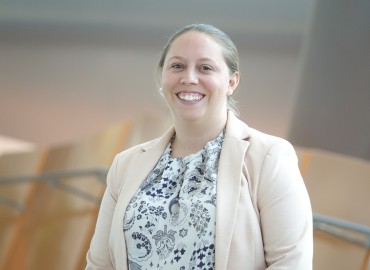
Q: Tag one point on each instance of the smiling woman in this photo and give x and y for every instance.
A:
(196, 82)
(211, 193)
(229, 53)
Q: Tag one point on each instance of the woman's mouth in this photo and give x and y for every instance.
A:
(190, 96)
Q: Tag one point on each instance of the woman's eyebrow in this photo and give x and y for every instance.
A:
(200, 59)
(175, 58)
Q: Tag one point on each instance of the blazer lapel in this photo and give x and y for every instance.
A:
(137, 171)
(142, 164)
(231, 161)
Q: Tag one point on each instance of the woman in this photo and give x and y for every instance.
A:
(211, 193)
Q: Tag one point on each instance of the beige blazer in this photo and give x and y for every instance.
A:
(263, 218)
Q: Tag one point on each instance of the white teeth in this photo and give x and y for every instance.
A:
(190, 97)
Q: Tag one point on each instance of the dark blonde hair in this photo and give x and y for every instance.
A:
(230, 52)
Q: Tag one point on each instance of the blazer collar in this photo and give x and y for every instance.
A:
(143, 163)
(160, 143)
(230, 166)
(235, 128)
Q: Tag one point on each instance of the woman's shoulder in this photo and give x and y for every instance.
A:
(131, 151)
(256, 138)
(263, 138)
(121, 163)
(158, 143)
(264, 143)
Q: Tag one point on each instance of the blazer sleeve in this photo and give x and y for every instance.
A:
(285, 210)
(98, 257)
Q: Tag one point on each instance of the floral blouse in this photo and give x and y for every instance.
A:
(170, 221)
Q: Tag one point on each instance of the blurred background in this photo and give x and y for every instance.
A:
(77, 85)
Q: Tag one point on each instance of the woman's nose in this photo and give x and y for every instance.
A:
(189, 77)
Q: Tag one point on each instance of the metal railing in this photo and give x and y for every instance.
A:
(348, 231)
(54, 181)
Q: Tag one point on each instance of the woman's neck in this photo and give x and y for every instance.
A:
(192, 137)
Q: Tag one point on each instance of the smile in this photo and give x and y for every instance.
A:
(190, 96)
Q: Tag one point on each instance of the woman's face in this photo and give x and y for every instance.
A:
(196, 80)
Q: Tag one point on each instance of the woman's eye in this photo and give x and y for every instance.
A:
(205, 68)
(176, 66)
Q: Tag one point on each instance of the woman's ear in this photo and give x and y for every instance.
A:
(233, 82)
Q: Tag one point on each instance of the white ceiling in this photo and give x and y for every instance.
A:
(69, 68)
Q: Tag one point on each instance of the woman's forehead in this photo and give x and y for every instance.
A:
(195, 43)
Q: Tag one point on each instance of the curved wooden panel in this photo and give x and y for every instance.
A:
(338, 186)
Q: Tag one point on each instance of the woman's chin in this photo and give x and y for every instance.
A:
(190, 116)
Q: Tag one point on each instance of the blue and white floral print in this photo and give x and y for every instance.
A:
(170, 221)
